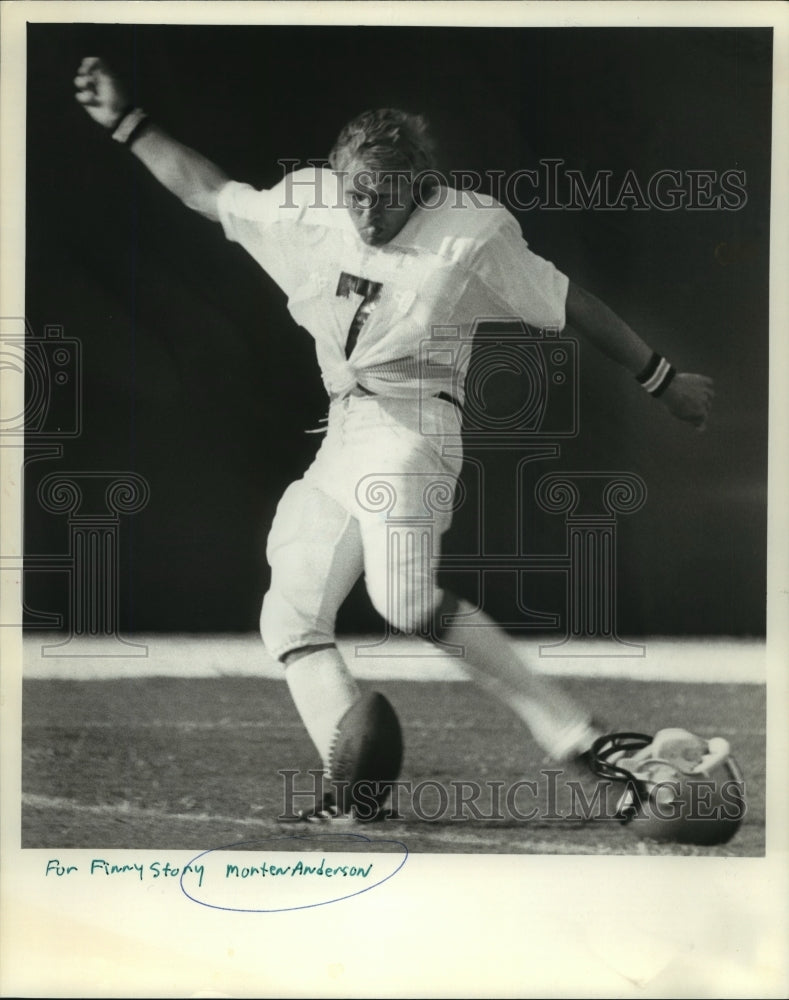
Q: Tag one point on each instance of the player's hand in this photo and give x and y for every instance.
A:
(100, 92)
(689, 397)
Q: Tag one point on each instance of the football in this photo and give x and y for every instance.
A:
(366, 755)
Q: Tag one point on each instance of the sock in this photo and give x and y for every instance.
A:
(322, 689)
(556, 721)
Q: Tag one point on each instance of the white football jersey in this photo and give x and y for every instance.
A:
(458, 260)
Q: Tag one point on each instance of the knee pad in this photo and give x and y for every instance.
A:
(315, 555)
(284, 626)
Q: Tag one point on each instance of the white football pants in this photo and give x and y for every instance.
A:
(376, 500)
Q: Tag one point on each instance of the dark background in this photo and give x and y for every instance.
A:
(196, 378)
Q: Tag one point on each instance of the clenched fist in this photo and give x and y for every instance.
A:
(689, 397)
(100, 92)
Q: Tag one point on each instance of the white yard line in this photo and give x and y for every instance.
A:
(188, 726)
(711, 660)
(125, 811)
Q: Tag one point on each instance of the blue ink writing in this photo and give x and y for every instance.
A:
(299, 868)
(100, 865)
(54, 865)
(156, 869)
(163, 871)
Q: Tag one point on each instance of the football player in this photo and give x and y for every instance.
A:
(374, 255)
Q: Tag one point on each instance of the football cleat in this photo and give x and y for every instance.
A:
(327, 811)
(678, 787)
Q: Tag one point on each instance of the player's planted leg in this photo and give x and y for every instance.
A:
(314, 550)
(323, 689)
(357, 736)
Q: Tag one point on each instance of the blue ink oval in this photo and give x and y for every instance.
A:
(255, 878)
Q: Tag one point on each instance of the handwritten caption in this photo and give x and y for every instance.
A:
(100, 866)
(261, 877)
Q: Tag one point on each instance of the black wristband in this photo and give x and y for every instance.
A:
(657, 375)
(667, 380)
(127, 110)
(129, 126)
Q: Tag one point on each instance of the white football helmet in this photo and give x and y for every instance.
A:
(679, 787)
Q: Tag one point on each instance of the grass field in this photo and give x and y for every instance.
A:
(190, 763)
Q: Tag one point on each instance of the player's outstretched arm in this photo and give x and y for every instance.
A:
(183, 171)
(688, 397)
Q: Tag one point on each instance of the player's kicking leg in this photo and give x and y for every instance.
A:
(561, 726)
(400, 578)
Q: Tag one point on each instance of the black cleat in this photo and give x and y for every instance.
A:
(326, 812)
(329, 812)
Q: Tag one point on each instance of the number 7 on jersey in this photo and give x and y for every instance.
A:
(370, 292)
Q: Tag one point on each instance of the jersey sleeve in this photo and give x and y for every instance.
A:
(526, 285)
(247, 216)
(284, 228)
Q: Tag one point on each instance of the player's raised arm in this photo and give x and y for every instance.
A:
(192, 178)
(688, 397)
